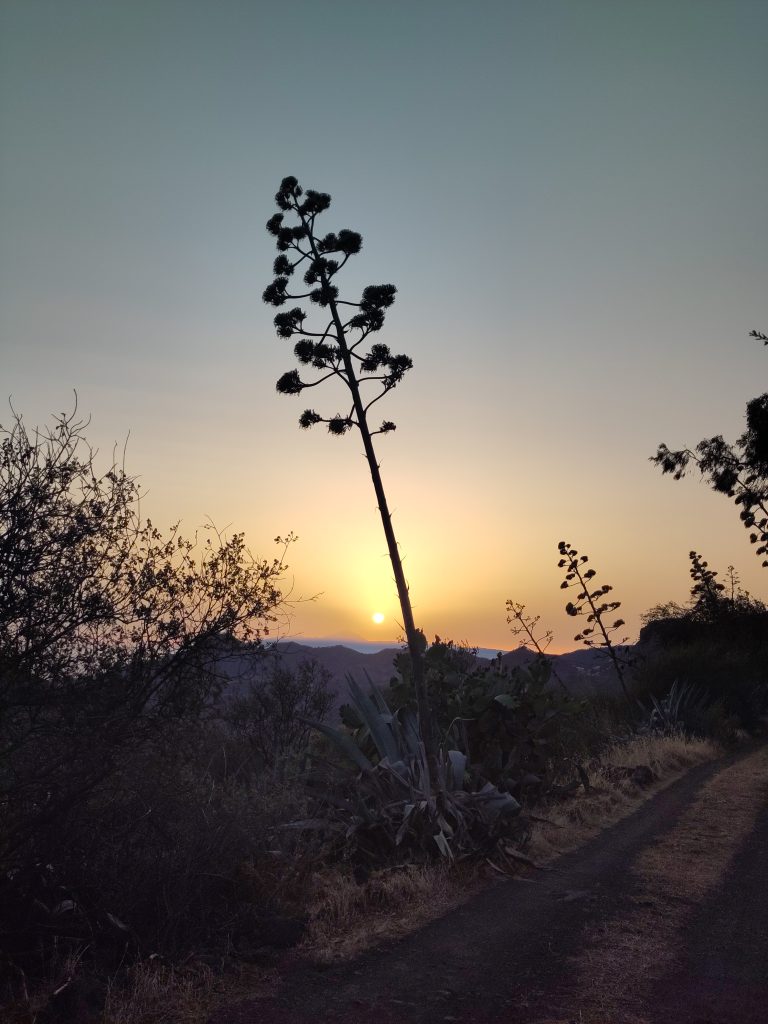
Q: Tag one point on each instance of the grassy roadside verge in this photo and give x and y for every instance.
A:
(631, 963)
(347, 918)
(614, 794)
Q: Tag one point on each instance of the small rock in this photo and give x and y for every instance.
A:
(361, 874)
(79, 1001)
(254, 929)
(643, 776)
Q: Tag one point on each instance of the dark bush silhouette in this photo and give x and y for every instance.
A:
(511, 724)
(717, 643)
(110, 635)
(270, 718)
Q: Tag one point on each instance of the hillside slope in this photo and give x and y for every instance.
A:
(584, 672)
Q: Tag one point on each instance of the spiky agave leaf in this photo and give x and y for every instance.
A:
(457, 762)
(377, 722)
(345, 743)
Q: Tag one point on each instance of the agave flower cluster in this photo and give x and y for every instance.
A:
(335, 346)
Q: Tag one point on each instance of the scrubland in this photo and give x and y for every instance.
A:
(168, 841)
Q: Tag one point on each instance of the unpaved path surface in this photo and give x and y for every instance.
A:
(661, 919)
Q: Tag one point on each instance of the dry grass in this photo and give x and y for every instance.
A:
(612, 797)
(153, 993)
(665, 754)
(159, 994)
(624, 956)
(347, 918)
(22, 1001)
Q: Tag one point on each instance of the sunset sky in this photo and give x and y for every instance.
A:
(570, 196)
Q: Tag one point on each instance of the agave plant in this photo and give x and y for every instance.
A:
(678, 711)
(391, 805)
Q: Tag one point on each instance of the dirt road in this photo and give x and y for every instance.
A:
(662, 918)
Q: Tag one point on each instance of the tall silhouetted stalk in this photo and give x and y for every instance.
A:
(333, 350)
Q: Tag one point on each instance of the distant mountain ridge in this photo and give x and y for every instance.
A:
(583, 672)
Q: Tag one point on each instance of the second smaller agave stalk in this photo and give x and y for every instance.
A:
(590, 602)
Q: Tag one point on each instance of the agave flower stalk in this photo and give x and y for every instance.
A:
(336, 349)
(590, 602)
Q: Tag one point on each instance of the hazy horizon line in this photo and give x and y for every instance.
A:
(372, 646)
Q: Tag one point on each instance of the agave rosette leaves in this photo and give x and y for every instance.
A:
(393, 804)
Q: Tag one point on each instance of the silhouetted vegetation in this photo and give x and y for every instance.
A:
(334, 349)
(150, 806)
(270, 718)
(716, 646)
(717, 642)
(511, 723)
(738, 470)
(592, 604)
(389, 808)
(111, 635)
(525, 627)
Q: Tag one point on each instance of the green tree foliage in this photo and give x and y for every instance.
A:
(738, 470)
(510, 723)
(590, 602)
(338, 346)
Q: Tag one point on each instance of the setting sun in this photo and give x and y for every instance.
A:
(378, 618)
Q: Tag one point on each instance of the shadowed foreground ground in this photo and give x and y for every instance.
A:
(660, 919)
